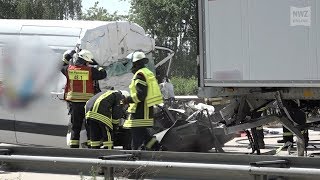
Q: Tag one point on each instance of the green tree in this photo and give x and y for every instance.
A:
(40, 9)
(101, 14)
(173, 24)
(8, 9)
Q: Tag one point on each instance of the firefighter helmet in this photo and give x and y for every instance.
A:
(67, 56)
(138, 56)
(125, 93)
(86, 55)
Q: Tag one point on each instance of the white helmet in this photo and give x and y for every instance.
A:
(137, 56)
(86, 55)
(125, 93)
(67, 56)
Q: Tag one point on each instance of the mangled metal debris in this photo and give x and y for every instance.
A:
(199, 132)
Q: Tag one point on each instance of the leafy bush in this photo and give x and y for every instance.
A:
(185, 86)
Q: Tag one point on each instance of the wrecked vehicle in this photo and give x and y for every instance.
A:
(43, 120)
(199, 132)
(110, 42)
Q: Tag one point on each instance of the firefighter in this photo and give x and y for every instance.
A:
(103, 112)
(79, 89)
(287, 136)
(67, 58)
(298, 117)
(95, 82)
(94, 63)
(144, 94)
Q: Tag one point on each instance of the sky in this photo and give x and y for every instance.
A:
(110, 5)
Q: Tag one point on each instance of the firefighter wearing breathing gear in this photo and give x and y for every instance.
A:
(144, 94)
(103, 112)
(80, 89)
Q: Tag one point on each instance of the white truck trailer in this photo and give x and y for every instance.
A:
(261, 55)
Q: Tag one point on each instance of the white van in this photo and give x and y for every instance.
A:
(47, 124)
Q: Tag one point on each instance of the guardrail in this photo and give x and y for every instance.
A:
(168, 165)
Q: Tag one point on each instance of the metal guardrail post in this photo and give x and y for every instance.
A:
(109, 171)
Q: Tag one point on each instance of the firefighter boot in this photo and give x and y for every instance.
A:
(287, 136)
(260, 137)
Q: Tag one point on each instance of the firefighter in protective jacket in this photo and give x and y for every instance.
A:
(103, 112)
(144, 94)
(67, 59)
(79, 89)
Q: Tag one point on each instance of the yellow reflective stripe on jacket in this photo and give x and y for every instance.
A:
(262, 109)
(94, 112)
(155, 101)
(98, 101)
(132, 87)
(287, 134)
(135, 98)
(100, 117)
(154, 95)
(84, 86)
(146, 111)
(141, 82)
(71, 85)
(78, 96)
(115, 121)
(134, 94)
(138, 123)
